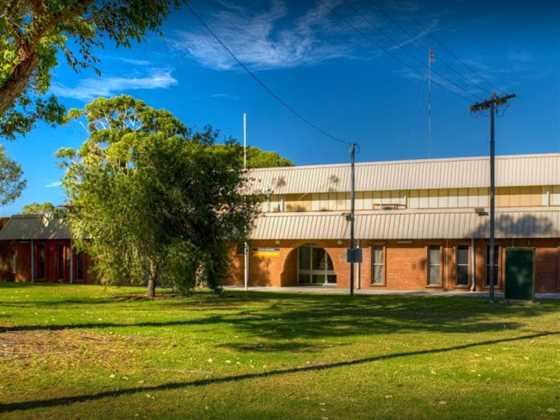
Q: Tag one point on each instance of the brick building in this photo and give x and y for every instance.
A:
(38, 248)
(421, 224)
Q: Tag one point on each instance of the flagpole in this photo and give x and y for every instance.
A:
(430, 58)
(246, 249)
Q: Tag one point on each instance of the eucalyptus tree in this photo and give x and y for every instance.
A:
(11, 182)
(34, 34)
(153, 200)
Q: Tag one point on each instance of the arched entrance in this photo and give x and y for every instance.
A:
(315, 266)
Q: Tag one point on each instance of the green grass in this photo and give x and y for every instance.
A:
(94, 352)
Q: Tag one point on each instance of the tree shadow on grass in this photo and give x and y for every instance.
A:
(368, 316)
(199, 301)
(53, 402)
(102, 325)
(276, 347)
(323, 317)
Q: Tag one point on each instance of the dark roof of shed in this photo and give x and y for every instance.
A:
(34, 226)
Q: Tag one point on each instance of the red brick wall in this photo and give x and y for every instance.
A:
(406, 266)
(405, 263)
(236, 261)
(281, 270)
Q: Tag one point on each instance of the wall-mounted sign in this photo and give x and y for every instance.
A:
(266, 252)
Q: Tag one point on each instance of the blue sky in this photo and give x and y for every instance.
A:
(340, 64)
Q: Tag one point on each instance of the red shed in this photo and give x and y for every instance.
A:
(38, 247)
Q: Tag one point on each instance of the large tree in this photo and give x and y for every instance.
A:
(150, 196)
(259, 158)
(38, 208)
(46, 208)
(11, 182)
(34, 33)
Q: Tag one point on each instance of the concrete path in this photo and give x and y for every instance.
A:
(383, 292)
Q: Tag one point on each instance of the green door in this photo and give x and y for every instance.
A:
(520, 266)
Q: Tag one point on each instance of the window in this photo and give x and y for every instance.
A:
(496, 264)
(275, 204)
(60, 266)
(434, 265)
(41, 262)
(315, 266)
(378, 260)
(462, 265)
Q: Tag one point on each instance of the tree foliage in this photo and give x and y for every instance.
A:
(38, 208)
(259, 158)
(151, 200)
(11, 182)
(34, 33)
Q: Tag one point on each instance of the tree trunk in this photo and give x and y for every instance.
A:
(27, 50)
(152, 280)
(151, 293)
(17, 82)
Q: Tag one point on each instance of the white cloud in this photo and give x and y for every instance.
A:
(54, 184)
(134, 61)
(257, 40)
(107, 86)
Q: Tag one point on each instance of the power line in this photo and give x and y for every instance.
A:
(263, 85)
(469, 68)
(459, 92)
(469, 82)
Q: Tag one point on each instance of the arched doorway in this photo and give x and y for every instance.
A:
(315, 267)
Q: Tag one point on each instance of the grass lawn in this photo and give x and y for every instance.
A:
(94, 352)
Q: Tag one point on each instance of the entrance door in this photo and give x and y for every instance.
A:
(315, 267)
(520, 268)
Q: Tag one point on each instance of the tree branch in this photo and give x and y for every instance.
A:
(26, 52)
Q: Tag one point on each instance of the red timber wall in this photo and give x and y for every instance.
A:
(53, 260)
(274, 263)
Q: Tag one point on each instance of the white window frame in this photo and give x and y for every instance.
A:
(429, 265)
(325, 272)
(457, 265)
(376, 264)
(497, 255)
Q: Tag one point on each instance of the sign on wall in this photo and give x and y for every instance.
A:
(266, 252)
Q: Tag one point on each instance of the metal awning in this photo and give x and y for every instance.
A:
(408, 225)
(511, 171)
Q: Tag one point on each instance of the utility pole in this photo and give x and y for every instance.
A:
(491, 105)
(354, 254)
(245, 244)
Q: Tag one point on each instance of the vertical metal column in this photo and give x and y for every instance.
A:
(352, 215)
(492, 240)
(32, 262)
(245, 244)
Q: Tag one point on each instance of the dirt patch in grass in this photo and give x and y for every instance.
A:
(68, 347)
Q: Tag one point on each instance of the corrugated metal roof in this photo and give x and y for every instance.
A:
(525, 170)
(35, 226)
(522, 223)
